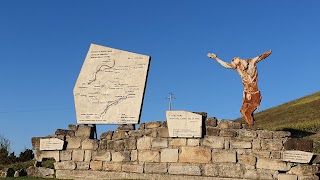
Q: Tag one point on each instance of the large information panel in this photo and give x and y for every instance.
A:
(110, 87)
(184, 124)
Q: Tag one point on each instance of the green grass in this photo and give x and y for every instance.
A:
(28, 178)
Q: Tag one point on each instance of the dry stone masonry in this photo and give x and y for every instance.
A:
(228, 150)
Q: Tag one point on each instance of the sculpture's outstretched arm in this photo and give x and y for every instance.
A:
(224, 64)
(261, 57)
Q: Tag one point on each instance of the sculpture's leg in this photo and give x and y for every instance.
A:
(248, 112)
(249, 105)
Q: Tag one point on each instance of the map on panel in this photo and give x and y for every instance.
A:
(110, 87)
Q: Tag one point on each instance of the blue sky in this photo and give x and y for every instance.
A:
(43, 45)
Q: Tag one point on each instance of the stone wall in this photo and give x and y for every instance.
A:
(227, 150)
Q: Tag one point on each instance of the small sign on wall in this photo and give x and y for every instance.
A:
(51, 144)
(297, 156)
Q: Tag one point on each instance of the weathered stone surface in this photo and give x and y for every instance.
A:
(134, 155)
(212, 131)
(213, 142)
(83, 165)
(77, 155)
(228, 124)
(35, 141)
(118, 145)
(247, 160)
(106, 166)
(73, 142)
(84, 132)
(220, 156)
(87, 155)
(262, 154)
(159, 143)
(256, 144)
(144, 143)
(178, 142)
(155, 168)
(211, 170)
(244, 133)
(303, 169)
(275, 155)
(39, 172)
(134, 168)
(130, 143)
(299, 144)
(193, 142)
(101, 155)
(308, 177)
(65, 155)
(271, 144)
(96, 165)
(90, 144)
(240, 145)
(230, 170)
(119, 134)
(163, 132)
(164, 124)
(228, 133)
(106, 135)
(151, 132)
(149, 156)
(104, 144)
(186, 169)
(126, 127)
(39, 155)
(211, 122)
(65, 165)
(142, 126)
(195, 155)
(287, 177)
(136, 133)
(263, 134)
(152, 125)
(281, 134)
(259, 174)
(169, 155)
(64, 132)
(272, 164)
(121, 156)
(73, 127)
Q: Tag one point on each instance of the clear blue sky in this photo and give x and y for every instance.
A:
(43, 45)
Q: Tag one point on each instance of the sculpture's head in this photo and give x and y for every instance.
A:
(239, 63)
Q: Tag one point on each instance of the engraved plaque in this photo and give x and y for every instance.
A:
(184, 124)
(297, 156)
(110, 87)
(51, 144)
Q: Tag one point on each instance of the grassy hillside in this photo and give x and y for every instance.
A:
(302, 114)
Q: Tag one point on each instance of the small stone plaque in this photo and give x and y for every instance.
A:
(51, 144)
(297, 156)
(184, 124)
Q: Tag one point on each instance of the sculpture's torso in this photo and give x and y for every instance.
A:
(249, 77)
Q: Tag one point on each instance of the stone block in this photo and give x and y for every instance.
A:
(221, 156)
(212, 131)
(118, 145)
(228, 124)
(308, 177)
(211, 122)
(247, 160)
(65, 155)
(275, 155)
(68, 165)
(152, 125)
(263, 134)
(259, 174)
(272, 164)
(73, 142)
(40, 172)
(271, 144)
(133, 168)
(159, 143)
(144, 143)
(155, 168)
(90, 144)
(119, 135)
(73, 127)
(240, 145)
(87, 155)
(104, 144)
(130, 143)
(195, 154)
(150, 132)
(304, 169)
(64, 132)
(142, 126)
(148, 156)
(78, 155)
(126, 127)
(169, 155)
(121, 156)
(262, 154)
(193, 142)
(287, 177)
(106, 135)
(231, 170)
(96, 165)
(134, 155)
(83, 165)
(244, 133)
(106, 166)
(178, 142)
(163, 132)
(39, 155)
(35, 141)
(299, 144)
(213, 142)
(136, 133)
(184, 169)
(164, 124)
(228, 133)
(101, 155)
(84, 132)
(256, 144)
(281, 134)
(244, 151)
(211, 170)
